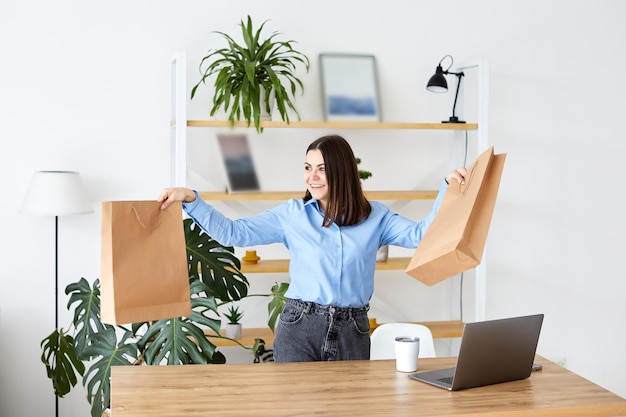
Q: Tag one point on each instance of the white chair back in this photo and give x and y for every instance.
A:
(383, 340)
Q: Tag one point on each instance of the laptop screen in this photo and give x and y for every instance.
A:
(491, 352)
(497, 351)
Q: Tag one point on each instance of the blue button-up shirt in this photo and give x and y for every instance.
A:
(328, 265)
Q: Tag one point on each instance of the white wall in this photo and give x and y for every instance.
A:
(85, 86)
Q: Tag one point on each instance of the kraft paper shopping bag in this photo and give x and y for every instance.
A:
(144, 263)
(456, 238)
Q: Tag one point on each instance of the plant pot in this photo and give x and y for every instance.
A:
(382, 254)
(233, 331)
(251, 257)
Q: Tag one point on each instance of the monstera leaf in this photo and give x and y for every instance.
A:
(86, 301)
(275, 306)
(213, 275)
(180, 340)
(219, 267)
(108, 352)
(62, 363)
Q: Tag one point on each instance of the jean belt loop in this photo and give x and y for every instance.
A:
(307, 308)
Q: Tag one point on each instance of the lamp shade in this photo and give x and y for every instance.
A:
(437, 83)
(56, 193)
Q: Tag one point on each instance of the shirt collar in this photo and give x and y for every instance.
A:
(313, 202)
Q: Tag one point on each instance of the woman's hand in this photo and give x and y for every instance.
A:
(458, 174)
(169, 195)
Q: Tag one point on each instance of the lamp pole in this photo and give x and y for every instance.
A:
(56, 294)
(56, 272)
(56, 193)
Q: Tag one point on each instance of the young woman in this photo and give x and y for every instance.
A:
(332, 234)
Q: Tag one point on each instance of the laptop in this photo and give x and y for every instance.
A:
(237, 163)
(491, 352)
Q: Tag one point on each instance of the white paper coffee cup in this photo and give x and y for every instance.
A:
(407, 352)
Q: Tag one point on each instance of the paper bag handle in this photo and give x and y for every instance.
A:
(470, 174)
(468, 179)
(143, 225)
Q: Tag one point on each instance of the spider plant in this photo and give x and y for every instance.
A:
(249, 74)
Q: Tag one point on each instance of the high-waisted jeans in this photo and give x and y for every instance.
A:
(309, 332)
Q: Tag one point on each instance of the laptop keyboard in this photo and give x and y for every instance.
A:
(446, 380)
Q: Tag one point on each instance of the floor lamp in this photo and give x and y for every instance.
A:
(56, 193)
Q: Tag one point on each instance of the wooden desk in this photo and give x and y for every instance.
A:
(356, 388)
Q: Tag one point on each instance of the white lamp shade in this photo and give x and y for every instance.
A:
(56, 193)
(436, 89)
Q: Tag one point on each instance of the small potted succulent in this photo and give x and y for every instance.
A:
(233, 327)
(249, 76)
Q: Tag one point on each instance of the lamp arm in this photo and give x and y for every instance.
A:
(441, 85)
(456, 95)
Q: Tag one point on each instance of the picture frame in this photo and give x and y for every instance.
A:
(237, 163)
(349, 87)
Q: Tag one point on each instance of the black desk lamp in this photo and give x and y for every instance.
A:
(438, 84)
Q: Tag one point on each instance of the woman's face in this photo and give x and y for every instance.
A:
(315, 176)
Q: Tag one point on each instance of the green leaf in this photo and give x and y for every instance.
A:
(177, 341)
(362, 173)
(219, 267)
(86, 302)
(62, 363)
(233, 315)
(277, 303)
(242, 69)
(109, 353)
(181, 340)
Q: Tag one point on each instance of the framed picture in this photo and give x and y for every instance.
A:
(237, 163)
(349, 87)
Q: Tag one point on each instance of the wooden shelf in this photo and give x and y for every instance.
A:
(286, 195)
(393, 264)
(265, 265)
(439, 329)
(444, 329)
(282, 265)
(334, 125)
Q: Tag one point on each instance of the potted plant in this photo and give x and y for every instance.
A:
(179, 340)
(233, 327)
(362, 173)
(249, 75)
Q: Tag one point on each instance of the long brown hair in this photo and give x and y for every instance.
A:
(347, 204)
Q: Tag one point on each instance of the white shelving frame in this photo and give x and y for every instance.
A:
(178, 145)
(178, 114)
(482, 143)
